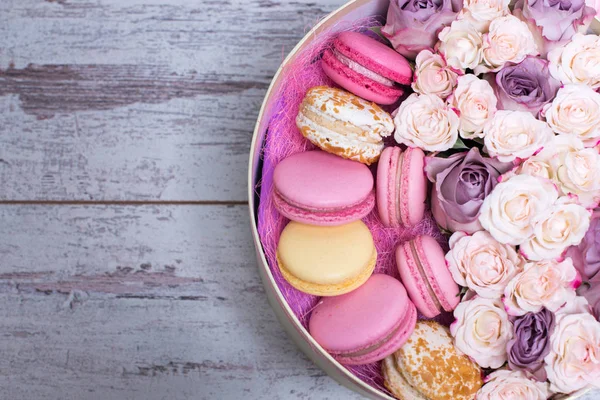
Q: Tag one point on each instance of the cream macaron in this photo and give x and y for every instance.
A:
(344, 124)
(326, 260)
(428, 366)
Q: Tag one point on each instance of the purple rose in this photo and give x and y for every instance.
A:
(413, 25)
(591, 292)
(531, 343)
(554, 22)
(586, 256)
(527, 86)
(461, 183)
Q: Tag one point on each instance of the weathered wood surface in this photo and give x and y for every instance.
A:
(105, 102)
(141, 302)
(137, 99)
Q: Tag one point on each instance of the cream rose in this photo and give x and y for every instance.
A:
(514, 206)
(508, 41)
(433, 76)
(512, 385)
(482, 330)
(576, 169)
(547, 283)
(575, 111)
(563, 225)
(536, 166)
(574, 359)
(461, 44)
(578, 61)
(425, 121)
(482, 264)
(476, 102)
(511, 135)
(480, 13)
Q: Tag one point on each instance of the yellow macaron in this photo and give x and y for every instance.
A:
(326, 260)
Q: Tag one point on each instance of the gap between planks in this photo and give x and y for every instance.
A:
(124, 202)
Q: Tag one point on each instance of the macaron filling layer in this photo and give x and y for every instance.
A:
(319, 210)
(361, 69)
(421, 269)
(344, 128)
(399, 180)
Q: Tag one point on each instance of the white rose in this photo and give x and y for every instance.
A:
(461, 43)
(563, 225)
(510, 135)
(514, 206)
(536, 166)
(476, 102)
(579, 305)
(576, 169)
(482, 264)
(509, 40)
(574, 359)
(433, 76)
(481, 13)
(425, 121)
(512, 385)
(578, 61)
(575, 111)
(482, 330)
(547, 283)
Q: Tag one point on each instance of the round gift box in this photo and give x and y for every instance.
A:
(351, 11)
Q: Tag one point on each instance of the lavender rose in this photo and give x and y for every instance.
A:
(461, 183)
(413, 25)
(554, 22)
(591, 292)
(586, 255)
(527, 86)
(531, 343)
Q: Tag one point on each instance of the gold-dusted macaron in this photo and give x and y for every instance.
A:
(428, 366)
(326, 260)
(344, 124)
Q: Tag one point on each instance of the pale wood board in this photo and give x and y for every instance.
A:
(113, 101)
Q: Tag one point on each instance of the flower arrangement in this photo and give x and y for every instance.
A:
(515, 172)
(505, 104)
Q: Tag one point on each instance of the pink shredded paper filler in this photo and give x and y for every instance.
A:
(284, 139)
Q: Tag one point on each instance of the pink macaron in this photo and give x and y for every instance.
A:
(425, 275)
(319, 188)
(367, 68)
(367, 324)
(401, 186)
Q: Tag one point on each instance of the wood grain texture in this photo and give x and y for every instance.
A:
(137, 99)
(143, 302)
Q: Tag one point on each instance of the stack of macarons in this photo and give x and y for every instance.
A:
(326, 250)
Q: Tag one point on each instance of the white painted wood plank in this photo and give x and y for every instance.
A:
(141, 303)
(137, 99)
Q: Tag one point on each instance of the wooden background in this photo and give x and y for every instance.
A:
(127, 269)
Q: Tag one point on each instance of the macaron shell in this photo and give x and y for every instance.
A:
(344, 124)
(390, 345)
(413, 281)
(325, 218)
(357, 83)
(436, 285)
(413, 195)
(431, 365)
(386, 192)
(375, 56)
(446, 289)
(377, 311)
(396, 383)
(321, 181)
(326, 260)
